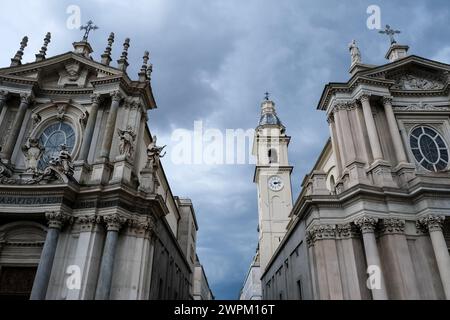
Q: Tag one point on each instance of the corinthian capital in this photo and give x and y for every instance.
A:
(431, 223)
(116, 96)
(387, 100)
(321, 232)
(142, 227)
(88, 222)
(56, 220)
(364, 98)
(3, 95)
(391, 226)
(114, 222)
(25, 98)
(366, 224)
(96, 98)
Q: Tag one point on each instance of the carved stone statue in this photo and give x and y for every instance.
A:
(354, 52)
(33, 152)
(127, 138)
(154, 154)
(63, 163)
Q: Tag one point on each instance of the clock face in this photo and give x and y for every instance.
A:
(276, 183)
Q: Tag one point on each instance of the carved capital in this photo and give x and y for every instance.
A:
(392, 226)
(3, 95)
(142, 227)
(431, 223)
(321, 232)
(387, 100)
(88, 222)
(364, 98)
(116, 96)
(25, 98)
(96, 98)
(56, 220)
(114, 222)
(366, 224)
(346, 231)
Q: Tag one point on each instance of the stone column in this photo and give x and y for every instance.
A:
(17, 125)
(334, 142)
(3, 98)
(114, 224)
(340, 137)
(41, 281)
(347, 137)
(394, 131)
(87, 140)
(371, 128)
(434, 225)
(110, 125)
(367, 226)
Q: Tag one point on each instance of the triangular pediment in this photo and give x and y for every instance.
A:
(412, 74)
(68, 70)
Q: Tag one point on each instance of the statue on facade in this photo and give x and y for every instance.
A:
(63, 163)
(127, 138)
(154, 153)
(33, 151)
(354, 52)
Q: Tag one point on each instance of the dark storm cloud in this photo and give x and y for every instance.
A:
(213, 60)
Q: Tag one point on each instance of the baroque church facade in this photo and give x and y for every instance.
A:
(86, 210)
(372, 219)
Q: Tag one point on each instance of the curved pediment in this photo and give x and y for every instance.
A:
(64, 71)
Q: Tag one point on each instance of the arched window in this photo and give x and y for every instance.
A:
(273, 156)
(429, 148)
(52, 138)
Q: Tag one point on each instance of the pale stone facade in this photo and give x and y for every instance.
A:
(86, 211)
(252, 285)
(377, 201)
(201, 289)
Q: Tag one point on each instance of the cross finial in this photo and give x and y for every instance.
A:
(390, 33)
(267, 96)
(90, 26)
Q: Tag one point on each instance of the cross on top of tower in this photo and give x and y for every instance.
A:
(390, 33)
(90, 26)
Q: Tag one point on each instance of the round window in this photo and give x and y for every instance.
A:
(429, 148)
(52, 138)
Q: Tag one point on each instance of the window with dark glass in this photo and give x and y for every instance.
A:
(52, 138)
(429, 148)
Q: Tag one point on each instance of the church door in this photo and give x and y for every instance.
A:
(16, 282)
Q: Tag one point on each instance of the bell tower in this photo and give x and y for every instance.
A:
(273, 180)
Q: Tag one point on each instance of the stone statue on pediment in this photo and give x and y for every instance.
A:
(354, 52)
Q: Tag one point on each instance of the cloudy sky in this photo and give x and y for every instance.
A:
(213, 61)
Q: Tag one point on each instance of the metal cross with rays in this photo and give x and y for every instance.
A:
(390, 32)
(88, 27)
(267, 96)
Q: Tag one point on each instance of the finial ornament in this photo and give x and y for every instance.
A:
(354, 52)
(90, 26)
(17, 60)
(123, 61)
(41, 55)
(267, 96)
(143, 73)
(106, 56)
(390, 33)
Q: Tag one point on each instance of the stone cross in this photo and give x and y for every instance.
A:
(90, 26)
(390, 32)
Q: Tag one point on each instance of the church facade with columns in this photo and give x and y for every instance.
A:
(86, 211)
(373, 218)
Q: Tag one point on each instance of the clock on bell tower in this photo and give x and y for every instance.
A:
(273, 180)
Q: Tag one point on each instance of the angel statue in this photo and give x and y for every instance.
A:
(33, 151)
(127, 138)
(65, 160)
(154, 153)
